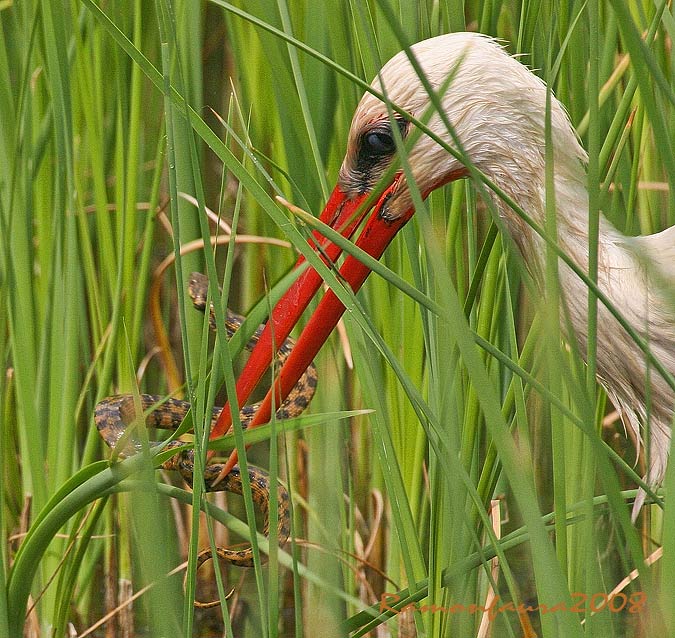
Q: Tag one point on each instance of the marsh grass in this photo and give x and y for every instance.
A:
(109, 112)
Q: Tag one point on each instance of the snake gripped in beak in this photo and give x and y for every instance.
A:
(343, 214)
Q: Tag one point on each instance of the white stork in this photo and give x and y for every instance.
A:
(496, 107)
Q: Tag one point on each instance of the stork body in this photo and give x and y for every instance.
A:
(496, 107)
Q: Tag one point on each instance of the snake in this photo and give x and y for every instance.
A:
(115, 415)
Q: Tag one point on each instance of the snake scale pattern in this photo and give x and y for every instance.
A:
(113, 415)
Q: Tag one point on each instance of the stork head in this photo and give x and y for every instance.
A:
(494, 104)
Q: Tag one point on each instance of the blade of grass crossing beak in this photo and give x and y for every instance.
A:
(341, 213)
(376, 236)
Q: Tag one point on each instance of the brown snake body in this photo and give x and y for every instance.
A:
(115, 414)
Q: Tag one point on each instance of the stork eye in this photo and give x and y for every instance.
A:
(379, 143)
(375, 148)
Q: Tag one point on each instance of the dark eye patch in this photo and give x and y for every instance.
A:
(378, 144)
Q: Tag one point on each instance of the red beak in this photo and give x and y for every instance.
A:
(344, 215)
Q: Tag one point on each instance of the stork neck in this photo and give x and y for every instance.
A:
(572, 219)
(615, 258)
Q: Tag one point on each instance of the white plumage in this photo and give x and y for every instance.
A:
(497, 108)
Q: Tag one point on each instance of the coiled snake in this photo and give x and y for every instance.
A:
(114, 414)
